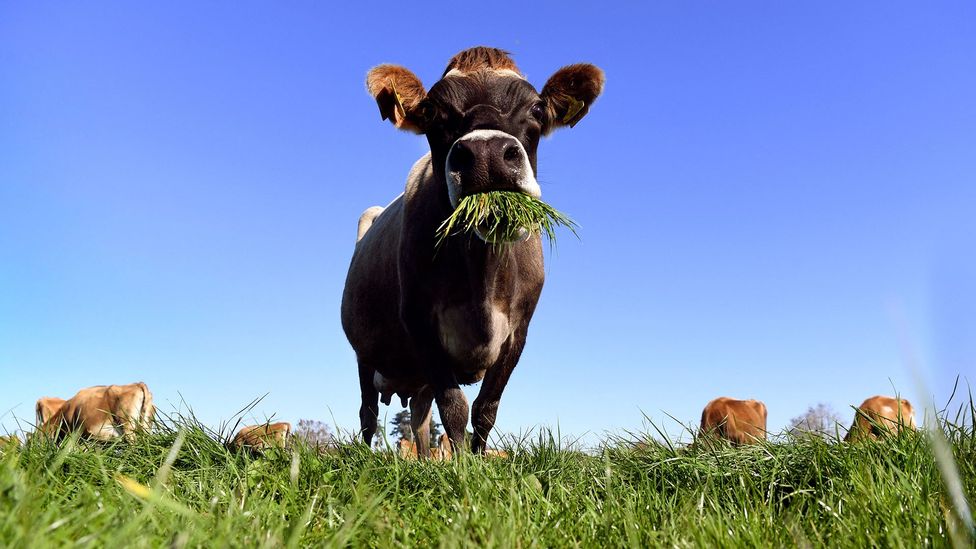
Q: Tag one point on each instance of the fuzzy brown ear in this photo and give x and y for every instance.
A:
(570, 92)
(397, 92)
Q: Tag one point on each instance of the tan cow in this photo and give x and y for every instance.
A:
(881, 415)
(258, 438)
(408, 449)
(104, 412)
(738, 421)
(9, 442)
(45, 409)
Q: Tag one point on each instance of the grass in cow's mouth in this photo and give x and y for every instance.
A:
(501, 216)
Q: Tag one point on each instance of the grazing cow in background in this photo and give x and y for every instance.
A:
(258, 438)
(9, 442)
(46, 408)
(881, 415)
(104, 412)
(424, 323)
(738, 421)
(442, 452)
(406, 448)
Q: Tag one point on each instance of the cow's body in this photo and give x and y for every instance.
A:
(425, 319)
(258, 438)
(104, 412)
(881, 415)
(738, 421)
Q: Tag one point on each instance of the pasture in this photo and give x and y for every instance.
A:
(178, 486)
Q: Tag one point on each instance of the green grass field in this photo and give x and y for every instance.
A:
(179, 487)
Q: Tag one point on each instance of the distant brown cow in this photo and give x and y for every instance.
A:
(880, 415)
(738, 421)
(104, 412)
(9, 442)
(442, 452)
(45, 409)
(258, 438)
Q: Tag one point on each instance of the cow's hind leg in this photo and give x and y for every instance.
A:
(370, 408)
(420, 411)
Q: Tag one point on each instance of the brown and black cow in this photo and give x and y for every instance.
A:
(424, 323)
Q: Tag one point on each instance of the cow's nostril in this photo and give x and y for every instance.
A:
(462, 158)
(512, 154)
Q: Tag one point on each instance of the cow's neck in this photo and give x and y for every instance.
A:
(466, 262)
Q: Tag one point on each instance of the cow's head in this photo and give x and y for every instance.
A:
(483, 120)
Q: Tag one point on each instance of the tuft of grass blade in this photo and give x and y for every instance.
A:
(504, 216)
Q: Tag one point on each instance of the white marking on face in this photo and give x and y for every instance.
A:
(526, 183)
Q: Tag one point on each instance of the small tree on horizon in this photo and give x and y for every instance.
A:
(315, 433)
(820, 420)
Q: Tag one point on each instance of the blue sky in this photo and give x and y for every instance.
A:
(764, 191)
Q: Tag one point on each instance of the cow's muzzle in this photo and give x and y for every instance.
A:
(488, 160)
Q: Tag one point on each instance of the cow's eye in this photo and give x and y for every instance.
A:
(538, 111)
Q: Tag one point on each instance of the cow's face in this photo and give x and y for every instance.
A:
(483, 120)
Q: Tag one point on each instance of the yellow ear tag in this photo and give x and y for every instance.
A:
(400, 112)
(575, 107)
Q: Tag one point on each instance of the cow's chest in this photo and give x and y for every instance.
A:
(473, 335)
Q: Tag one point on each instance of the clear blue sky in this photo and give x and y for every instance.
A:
(760, 185)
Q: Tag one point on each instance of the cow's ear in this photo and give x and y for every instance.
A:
(570, 92)
(397, 92)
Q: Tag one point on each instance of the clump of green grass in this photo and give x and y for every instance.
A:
(179, 486)
(504, 216)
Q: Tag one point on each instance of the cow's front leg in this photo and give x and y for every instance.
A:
(420, 409)
(452, 406)
(486, 405)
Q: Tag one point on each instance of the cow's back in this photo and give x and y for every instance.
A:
(104, 412)
(371, 297)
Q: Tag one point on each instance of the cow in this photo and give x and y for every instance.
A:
(425, 318)
(738, 421)
(45, 409)
(9, 443)
(442, 452)
(104, 412)
(258, 438)
(881, 415)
